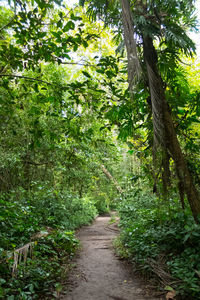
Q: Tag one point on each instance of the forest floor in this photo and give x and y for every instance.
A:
(99, 274)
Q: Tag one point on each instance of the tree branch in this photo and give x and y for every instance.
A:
(37, 164)
(76, 63)
(107, 173)
(6, 25)
(26, 77)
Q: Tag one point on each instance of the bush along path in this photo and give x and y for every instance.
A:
(99, 274)
(37, 241)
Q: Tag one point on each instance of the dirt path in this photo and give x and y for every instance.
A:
(99, 274)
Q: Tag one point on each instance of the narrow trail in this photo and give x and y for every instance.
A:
(99, 274)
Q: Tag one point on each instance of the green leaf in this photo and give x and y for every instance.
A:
(41, 34)
(75, 18)
(86, 74)
(168, 288)
(2, 281)
(56, 34)
(75, 47)
(59, 24)
(101, 71)
(85, 44)
(68, 26)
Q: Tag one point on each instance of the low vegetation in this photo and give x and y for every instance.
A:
(42, 222)
(162, 242)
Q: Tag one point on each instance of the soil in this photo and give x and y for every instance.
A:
(99, 274)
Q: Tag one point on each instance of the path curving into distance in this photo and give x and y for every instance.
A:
(99, 274)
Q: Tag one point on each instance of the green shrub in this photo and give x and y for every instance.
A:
(42, 270)
(25, 213)
(150, 232)
(102, 203)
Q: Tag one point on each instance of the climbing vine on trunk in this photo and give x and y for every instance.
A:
(164, 132)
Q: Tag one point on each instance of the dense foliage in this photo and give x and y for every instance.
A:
(165, 245)
(52, 147)
(46, 218)
(75, 140)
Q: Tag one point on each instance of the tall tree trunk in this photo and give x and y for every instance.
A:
(128, 30)
(164, 132)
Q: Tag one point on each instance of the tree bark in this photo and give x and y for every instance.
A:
(164, 132)
(128, 30)
(166, 174)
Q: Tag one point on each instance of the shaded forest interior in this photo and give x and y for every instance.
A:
(99, 111)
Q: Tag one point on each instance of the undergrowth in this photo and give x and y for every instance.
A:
(163, 240)
(47, 218)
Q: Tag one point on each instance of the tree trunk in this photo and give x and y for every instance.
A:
(164, 132)
(166, 174)
(114, 181)
(128, 30)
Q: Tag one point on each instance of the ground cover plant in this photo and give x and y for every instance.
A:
(163, 244)
(44, 221)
